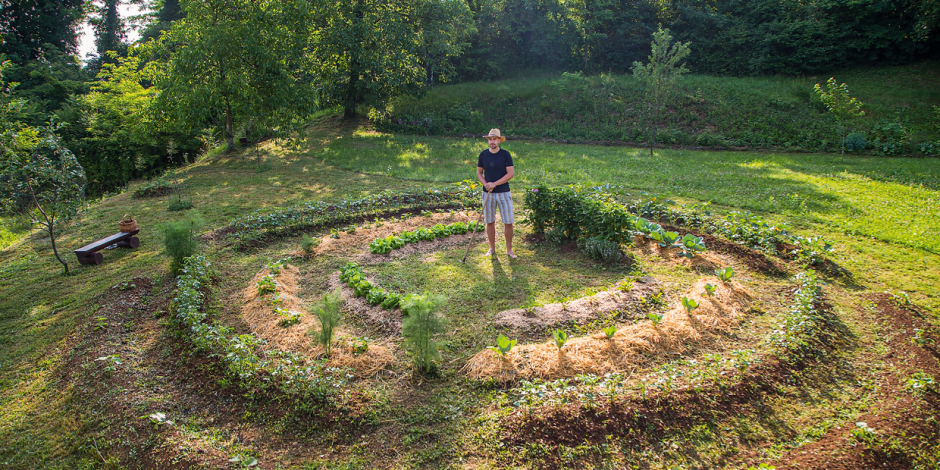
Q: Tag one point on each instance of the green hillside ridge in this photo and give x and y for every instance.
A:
(709, 111)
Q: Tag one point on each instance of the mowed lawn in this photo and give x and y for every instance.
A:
(881, 213)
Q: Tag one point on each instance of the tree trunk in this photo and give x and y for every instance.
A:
(55, 250)
(229, 127)
(352, 94)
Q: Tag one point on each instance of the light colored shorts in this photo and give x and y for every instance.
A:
(503, 201)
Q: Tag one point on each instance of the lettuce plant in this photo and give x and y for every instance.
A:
(376, 295)
(391, 301)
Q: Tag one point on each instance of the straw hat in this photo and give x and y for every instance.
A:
(494, 132)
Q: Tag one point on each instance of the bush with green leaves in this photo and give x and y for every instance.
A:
(328, 310)
(420, 327)
(181, 240)
(855, 142)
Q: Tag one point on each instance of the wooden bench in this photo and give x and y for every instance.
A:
(88, 254)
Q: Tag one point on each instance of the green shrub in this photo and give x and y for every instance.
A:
(181, 240)
(855, 142)
(327, 310)
(419, 329)
(177, 205)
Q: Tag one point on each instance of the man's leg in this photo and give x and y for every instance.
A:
(491, 236)
(489, 217)
(508, 232)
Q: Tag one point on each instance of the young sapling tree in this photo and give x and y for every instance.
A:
(842, 106)
(659, 77)
(39, 178)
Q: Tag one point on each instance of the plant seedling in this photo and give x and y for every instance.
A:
(267, 285)
(665, 239)
(655, 317)
(725, 274)
(101, 322)
(691, 245)
(689, 304)
(610, 331)
(503, 345)
(560, 338)
(710, 290)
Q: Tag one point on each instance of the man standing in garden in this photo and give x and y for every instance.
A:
(494, 170)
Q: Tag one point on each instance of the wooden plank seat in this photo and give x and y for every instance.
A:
(88, 254)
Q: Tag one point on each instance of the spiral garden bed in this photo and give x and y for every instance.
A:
(661, 346)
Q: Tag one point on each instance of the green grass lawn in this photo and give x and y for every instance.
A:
(880, 213)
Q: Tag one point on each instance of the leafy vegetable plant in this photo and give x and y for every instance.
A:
(664, 238)
(725, 274)
(710, 290)
(503, 345)
(656, 318)
(561, 337)
(267, 285)
(610, 331)
(391, 301)
(689, 304)
(691, 245)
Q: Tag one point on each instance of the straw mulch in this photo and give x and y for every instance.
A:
(258, 314)
(630, 347)
(350, 245)
(580, 310)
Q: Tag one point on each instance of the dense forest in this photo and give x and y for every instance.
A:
(210, 72)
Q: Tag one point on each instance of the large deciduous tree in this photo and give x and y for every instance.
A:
(659, 77)
(367, 51)
(233, 60)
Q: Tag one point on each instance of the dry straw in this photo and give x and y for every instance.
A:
(350, 244)
(629, 348)
(258, 313)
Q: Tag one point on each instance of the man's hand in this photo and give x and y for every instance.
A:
(489, 186)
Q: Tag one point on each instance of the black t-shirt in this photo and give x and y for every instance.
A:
(494, 167)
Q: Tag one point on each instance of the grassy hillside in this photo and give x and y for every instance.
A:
(61, 408)
(771, 112)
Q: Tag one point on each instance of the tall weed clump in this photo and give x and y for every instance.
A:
(181, 240)
(328, 311)
(419, 328)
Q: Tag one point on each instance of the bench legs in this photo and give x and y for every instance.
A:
(90, 258)
(132, 242)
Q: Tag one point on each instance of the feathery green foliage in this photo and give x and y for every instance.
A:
(420, 327)
(328, 311)
(659, 77)
(181, 240)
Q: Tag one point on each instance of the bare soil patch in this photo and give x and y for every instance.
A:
(629, 348)
(556, 315)
(902, 415)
